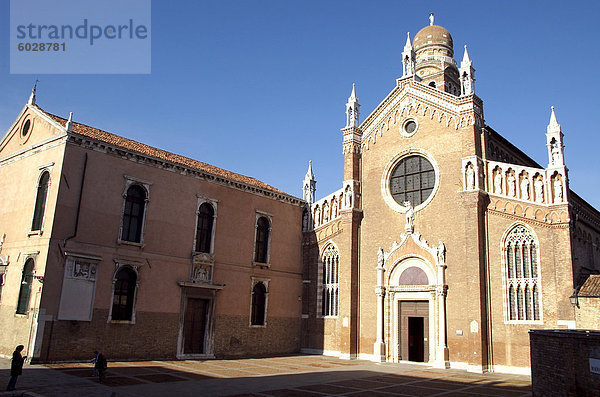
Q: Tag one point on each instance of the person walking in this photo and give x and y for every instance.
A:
(16, 367)
(100, 365)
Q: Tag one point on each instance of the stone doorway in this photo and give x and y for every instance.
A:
(413, 330)
(194, 326)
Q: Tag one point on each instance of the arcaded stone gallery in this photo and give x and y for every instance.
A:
(445, 243)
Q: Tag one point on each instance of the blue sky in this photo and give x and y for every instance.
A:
(259, 87)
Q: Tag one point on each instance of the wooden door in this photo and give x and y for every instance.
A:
(413, 331)
(194, 326)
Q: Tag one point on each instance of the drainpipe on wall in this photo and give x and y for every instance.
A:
(85, 159)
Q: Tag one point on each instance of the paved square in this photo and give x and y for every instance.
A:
(275, 376)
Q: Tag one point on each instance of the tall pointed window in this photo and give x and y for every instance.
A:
(330, 282)
(204, 228)
(522, 281)
(133, 214)
(25, 289)
(259, 304)
(261, 246)
(40, 201)
(125, 283)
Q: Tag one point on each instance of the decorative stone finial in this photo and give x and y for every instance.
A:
(31, 100)
(431, 19)
(69, 124)
(553, 125)
(309, 185)
(352, 109)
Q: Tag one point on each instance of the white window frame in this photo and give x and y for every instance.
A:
(214, 203)
(520, 281)
(269, 217)
(42, 169)
(265, 281)
(129, 181)
(119, 264)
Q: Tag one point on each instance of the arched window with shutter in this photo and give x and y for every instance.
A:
(40, 201)
(204, 228)
(25, 288)
(259, 304)
(261, 246)
(133, 214)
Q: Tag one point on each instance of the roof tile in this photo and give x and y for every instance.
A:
(591, 287)
(130, 144)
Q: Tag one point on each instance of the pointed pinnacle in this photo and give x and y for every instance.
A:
(553, 125)
(408, 43)
(466, 57)
(309, 173)
(69, 124)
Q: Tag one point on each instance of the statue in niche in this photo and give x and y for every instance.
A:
(334, 208)
(525, 188)
(325, 212)
(538, 186)
(511, 185)
(558, 191)
(409, 225)
(498, 183)
(305, 220)
(380, 257)
(202, 274)
(470, 177)
(348, 197)
(317, 216)
(441, 253)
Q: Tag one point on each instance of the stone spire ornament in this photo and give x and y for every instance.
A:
(554, 142)
(352, 109)
(309, 185)
(69, 123)
(408, 58)
(31, 100)
(467, 75)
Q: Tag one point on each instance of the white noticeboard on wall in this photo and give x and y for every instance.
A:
(595, 366)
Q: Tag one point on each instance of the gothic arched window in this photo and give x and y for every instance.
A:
(40, 201)
(259, 300)
(25, 289)
(522, 281)
(125, 283)
(204, 228)
(330, 282)
(261, 247)
(133, 214)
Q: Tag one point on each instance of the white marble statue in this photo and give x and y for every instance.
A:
(525, 188)
(538, 186)
(409, 226)
(498, 183)
(511, 185)
(470, 177)
(558, 191)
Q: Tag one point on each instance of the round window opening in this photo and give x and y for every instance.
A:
(412, 179)
(410, 126)
(25, 129)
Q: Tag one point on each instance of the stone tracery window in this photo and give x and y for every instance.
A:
(412, 179)
(330, 282)
(522, 278)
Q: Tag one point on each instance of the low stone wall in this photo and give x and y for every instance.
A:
(561, 365)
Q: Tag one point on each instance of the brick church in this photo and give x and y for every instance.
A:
(444, 245)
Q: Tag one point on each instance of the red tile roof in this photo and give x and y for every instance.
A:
(132, 145)
(591, 287)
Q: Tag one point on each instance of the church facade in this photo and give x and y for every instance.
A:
(446, 244)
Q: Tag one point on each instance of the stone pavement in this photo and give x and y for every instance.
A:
(302, 376)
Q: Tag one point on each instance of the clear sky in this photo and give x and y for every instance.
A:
(259, 87)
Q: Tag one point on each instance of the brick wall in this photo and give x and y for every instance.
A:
(560, 364)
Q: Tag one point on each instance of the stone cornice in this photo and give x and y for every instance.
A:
(113, 150)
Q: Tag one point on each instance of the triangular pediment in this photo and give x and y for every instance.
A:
(412, 97)
(31, 128)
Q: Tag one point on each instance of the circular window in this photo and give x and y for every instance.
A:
(25, 129)
(412, 179)
(410, 126)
